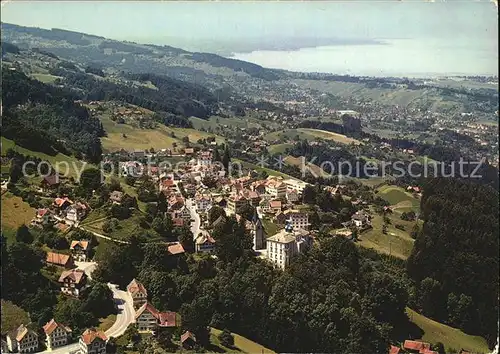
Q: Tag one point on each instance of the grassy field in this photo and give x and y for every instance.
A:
(74, 164)
(397, 243)
(270, 172)
(310, 135)
(128, 137)
(12, 317)
(315, 169)
(15, 212)
(270, 227)
(215, 122)
(45, 78)
(452, 338)
(400, 199)
(278, 148)
(242, 344)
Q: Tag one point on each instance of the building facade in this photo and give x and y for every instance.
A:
(56, 334)
(73, 282)
(92, 342)
(138, 293)
(285, 245)
(22, 340)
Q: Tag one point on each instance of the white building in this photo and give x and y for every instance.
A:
(56, 334)
(276, 189)
(22, 340)
(298, 219)
(205, 243)
(295, 184)
(203, 202)
(285, 245)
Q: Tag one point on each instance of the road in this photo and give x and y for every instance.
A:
(195, 226)
(124, 317)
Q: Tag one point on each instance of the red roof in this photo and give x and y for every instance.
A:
(136, 287)
(416, 345)
(59, 258)
(60, 201)
(176, 248)
(167, 319)
(52, 325)
(90, 335)
(186, 336)
(81, 243)
(394, 350)
(178, 222)
(42, 212)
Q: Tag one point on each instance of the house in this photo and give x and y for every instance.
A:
(139, 154)
(175, 202)
(167, 184)
(259, 187)
(138, 293)
(73, 282)
(285, 245)
(205, 244)
(75, 213)
(414, 346)
(116, 197)
(80, 250)
(295, 184)
(22, 340)
(92, 341)
(275, 206)
(175, 248)
(188, 340)
(394, 350)
(148, 318)
(361, 219)
(182, 213)
(62, 203)
(202, 202)
(205, 158)
(188, 151)
(235, 203)
(292, 196)
(59, 259)
(276, 189)
(50, 183)
(252, 196)
(298, 219)
(56, 334)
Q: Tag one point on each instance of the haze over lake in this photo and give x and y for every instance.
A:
(399, 38)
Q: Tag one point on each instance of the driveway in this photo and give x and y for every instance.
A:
(126, 313)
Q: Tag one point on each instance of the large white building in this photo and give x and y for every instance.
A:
(295, 184)
(285, 245)
(276, 189)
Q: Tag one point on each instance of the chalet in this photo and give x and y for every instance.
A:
(50, 183)
(298, 219)
(148, 318)
(92, 341)
(116, 197)
(73, 282)
(56, 334)
(80, 250)
(361, 219)
(138, 293)
(59, 259)
(75, 213)
(205, 244)
(275, 206)
(188, 340)
(62, 203)
(22, 340)
(235, 203)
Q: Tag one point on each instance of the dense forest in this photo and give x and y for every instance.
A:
(44, 118)
(455, 258)
(173, 96)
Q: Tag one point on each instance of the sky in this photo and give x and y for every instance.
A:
(251, 26)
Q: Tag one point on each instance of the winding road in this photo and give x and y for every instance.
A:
(195, 226)
(124, 317)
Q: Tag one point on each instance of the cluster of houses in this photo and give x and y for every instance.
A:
(63, 210)
(415, 346)
(25, 340)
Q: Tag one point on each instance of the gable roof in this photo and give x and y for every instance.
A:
(60, 201)
(20, 332)
(136, 287)
(91, 334)
(81, 243)
(74, 274)
(175, 248)
(205, 238)
(394, 350)
(416, 345)
(51, 180)
(58, 258)
(52, 325)
(165, 319)
(187, 335)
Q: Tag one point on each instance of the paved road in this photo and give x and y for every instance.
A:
(195, 226)
(126, 313)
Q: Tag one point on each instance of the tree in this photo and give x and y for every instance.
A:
(162, 203)
(132, 335)
(23, 234)
(185, 237)
(15, 172)
(226, 158)
(439, 347)
(91, 179)
(247, 212)
(226, 338)
(130, 180)
(100, 301)
(308, 195)
(217, 155)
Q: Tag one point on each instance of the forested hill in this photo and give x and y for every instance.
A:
(133, 57)
(45, 118)
(454, 261)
